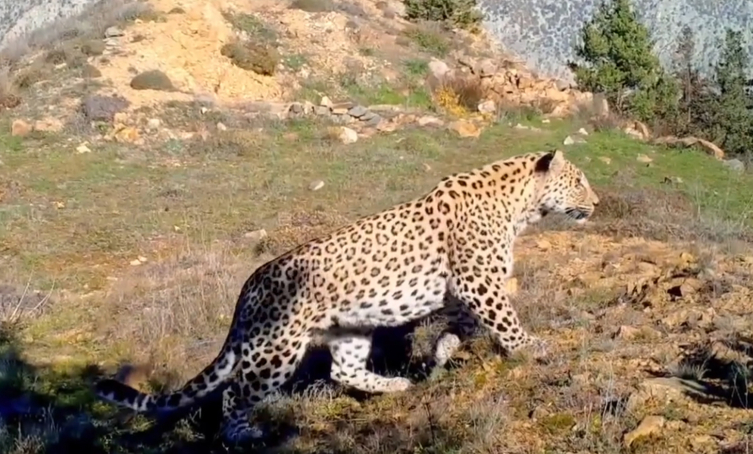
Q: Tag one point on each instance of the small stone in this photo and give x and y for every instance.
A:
(438, 68)
(221, 126)
(544, 245)
(357, 111)
(464, 128)
(650, 425)
(296, 108)
(486, 68)
(644, 159)
(153, 124)
(568, 141)
(520, 126)
(82, 149)
(488, 107)
(256, 235)
(583, 132)
(325, 102)
(428, 120)
(316, 185)
(735, 165)
(605, 160)
(113, 32)
(143, 259)
(135, 262)
(20, 128)
(126, 135)
(48, 125)
(376, 120)
(321, 110)
(347, 135)
(546, 121)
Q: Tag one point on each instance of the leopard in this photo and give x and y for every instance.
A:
(447, 251)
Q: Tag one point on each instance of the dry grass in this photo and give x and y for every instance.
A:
(458, 95)
(197, 225)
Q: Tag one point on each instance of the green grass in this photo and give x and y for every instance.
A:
(72, 223)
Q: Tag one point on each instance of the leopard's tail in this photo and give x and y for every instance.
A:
(220, 369)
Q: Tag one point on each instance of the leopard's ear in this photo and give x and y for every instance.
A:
(551, 162)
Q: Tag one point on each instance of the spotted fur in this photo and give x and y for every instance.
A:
(449, 250)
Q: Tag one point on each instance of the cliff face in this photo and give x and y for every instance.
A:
(542, 32)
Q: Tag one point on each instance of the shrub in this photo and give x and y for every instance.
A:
(259, 58)
(458, 13)
(428, 39)
(152, 80)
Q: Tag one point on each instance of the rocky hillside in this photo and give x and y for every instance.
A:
(540, 32)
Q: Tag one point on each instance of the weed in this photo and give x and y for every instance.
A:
(253, 26)
(416, 67)
(428, 39)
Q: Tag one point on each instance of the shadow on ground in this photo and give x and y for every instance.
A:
(49, 410)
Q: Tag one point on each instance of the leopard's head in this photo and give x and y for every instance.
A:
(564, 188)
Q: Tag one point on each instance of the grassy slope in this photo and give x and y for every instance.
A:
(67, 229)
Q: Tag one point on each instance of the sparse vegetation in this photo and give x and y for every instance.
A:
(120, 252)
(313, 6)
(152, 80)
(429, 39)
(457, 13)
(259, 58)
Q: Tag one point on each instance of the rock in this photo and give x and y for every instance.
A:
(651, 425)
(605, 160)
(135, 262)
(83, 149)
(428, 120)
(325, 101)
(103, 108)
(644, 159)
(20, 128)
(372, 119)
(561, 85)
(707, 146)
(735, 165)
(126, 134)
(221, 126)
(48, 125)
(113, 32)
(316, 185)
(568, 141)
(464, 128)
(357, 111)
(485, 68)
(632, 333)
(255, 235)
(438, 68)
(321, 110)
(543, 245)
(343, 134)
(488, 107)
(583, 132)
